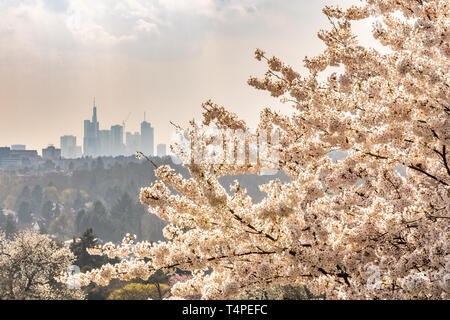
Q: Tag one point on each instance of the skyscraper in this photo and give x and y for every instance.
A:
(161, 150)
(69, 149)
(90, 141)
(104, 137)
(101, 143)
(133, 142)
(147, 138)
(117, 147)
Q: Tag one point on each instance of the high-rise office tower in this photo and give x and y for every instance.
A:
(69, 147)
(161, 150)
(147, 138)
(117, 147)
(133, 142)
(90, 141)
(104, 138)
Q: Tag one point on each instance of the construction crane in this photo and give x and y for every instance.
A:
(124, 121)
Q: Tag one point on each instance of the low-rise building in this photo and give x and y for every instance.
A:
(51, 153)
(17, 158)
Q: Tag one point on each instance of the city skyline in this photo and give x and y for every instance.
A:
(71, 141)
(116, 141)
(101, 143)
(163, 58)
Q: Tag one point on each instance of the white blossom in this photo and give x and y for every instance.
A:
(332, 222)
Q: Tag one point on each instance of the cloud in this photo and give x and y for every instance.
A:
(138, 9)
(87, 21)
(162, 56)
(142, 25)
(146, 29)
(52, 23)
(57, 5)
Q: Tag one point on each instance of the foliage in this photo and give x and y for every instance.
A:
(36, 196)
(161, 281)
(9, 202)
(127, 214)
(47, 211)
(62, 226)
(278, 292)
(74, 194)
(24, 212)
(97, 292)
(138, 291)
(50, 193)
(2, 217)
(96, 218)
(68, 196)
(84, 260)
(10, 227)
(29, 264)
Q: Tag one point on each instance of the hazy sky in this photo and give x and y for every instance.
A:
(164, 57)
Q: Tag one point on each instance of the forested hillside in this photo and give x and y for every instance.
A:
(98, 196)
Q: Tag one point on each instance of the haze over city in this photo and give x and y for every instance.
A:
(163, 58)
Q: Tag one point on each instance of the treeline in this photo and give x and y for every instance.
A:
(98, 196)
(96, 181)
(65, 203)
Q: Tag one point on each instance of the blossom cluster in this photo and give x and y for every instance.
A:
(30, 264)
(349, 229)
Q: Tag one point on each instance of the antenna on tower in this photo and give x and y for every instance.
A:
(144, 116)
(124, 121)
(94, 101)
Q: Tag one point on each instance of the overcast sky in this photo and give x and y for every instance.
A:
(164, 57)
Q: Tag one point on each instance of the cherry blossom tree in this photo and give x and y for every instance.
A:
(349, 229)
(29, 266)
